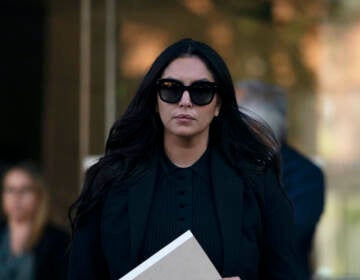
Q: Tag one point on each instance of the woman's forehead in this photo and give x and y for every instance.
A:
(188, 69)
(17, 177)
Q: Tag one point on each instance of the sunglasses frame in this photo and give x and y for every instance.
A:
(189, 89)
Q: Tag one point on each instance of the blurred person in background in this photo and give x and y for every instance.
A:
(302, 179)
(30, 247)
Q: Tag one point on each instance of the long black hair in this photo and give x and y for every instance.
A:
(138, 133)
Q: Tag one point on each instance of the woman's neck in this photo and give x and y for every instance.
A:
(185, 151)
(19, 224)
(19, 235)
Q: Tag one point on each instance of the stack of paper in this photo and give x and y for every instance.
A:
(181, 259)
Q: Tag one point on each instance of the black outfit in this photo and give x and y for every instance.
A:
(250, 225)
(50, 253)
(183, 199)
(304, 183)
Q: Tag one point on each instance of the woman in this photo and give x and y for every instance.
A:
(182, 157)
(30, 248)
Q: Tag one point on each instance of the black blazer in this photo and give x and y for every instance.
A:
(255, 222)
(50, 253)
(304, 183)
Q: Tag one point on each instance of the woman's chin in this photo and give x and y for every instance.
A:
(184, 133)
(187, 132)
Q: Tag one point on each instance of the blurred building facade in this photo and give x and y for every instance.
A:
(94, 53)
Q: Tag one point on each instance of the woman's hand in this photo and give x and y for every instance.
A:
(232, 278)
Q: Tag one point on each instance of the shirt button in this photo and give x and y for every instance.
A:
(181, 205)
(181, 192)
(181, 219)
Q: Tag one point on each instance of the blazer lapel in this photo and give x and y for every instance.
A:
(228, 193)
(140, 197)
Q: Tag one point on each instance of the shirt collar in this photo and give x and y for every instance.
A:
(200, 167)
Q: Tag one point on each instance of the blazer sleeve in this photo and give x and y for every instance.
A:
(278, 255)
(86, 259)
(51, 257)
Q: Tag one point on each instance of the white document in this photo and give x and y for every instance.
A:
(181, 259)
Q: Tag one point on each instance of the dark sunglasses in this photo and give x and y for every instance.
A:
(201, 92)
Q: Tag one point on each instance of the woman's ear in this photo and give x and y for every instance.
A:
(218, 106)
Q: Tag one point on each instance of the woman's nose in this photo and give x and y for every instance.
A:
(185, 99)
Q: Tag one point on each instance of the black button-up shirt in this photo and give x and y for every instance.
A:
(183, 200)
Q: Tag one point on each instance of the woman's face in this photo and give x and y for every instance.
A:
(19, 197)
(185, 119)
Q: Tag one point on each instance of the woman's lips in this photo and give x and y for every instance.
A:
(184, 117)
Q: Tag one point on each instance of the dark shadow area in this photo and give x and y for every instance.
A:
(21, 79)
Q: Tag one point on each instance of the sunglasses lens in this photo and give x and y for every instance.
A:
(170, 91)
(202, 93)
